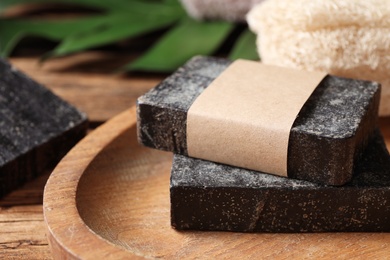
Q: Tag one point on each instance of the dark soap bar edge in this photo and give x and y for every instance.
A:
(214, 197)
(35, 160)
(162, 123)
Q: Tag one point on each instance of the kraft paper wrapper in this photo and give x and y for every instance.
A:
(245, 116)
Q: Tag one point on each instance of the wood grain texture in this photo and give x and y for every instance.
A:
(113, 195)
(22, 233)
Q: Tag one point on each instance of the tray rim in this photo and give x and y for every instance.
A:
(62, 220)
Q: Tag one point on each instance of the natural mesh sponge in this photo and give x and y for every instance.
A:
(349, 38)
(231, 10)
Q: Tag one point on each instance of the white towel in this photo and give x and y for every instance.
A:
(230, 10)
(349, 38)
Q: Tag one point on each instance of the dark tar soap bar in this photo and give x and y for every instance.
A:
(328, 136)
(211, 196)
(36, 128)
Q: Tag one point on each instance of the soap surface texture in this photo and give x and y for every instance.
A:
(37, 128)
(326, 139)
(211, 196)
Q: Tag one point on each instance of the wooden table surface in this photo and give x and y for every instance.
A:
(86, 81)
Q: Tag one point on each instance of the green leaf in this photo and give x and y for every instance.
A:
(111, 5)
(12, 31)
(186, 40)
(4, 4)
(114, 30)
(122, 19)
(79, 34)
(245, 47)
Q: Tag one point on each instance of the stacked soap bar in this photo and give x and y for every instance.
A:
(211, 196)
(333, 141)
(37, 128)
(326, 139)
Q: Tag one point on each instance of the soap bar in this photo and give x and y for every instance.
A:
(37, 128)
(211, 196)
(328, 136)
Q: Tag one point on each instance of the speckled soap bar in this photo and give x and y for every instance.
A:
(37, 128)
(211, 196)
(326, 139)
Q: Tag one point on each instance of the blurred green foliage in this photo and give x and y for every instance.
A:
(125, 19)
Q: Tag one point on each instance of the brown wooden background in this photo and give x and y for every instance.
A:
(86, 81)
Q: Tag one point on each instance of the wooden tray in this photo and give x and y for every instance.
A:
(109, 198)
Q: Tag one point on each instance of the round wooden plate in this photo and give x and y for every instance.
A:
(109, 199)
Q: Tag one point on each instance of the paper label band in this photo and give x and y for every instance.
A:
(245, 116)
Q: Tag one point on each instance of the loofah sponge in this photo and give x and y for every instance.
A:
(349, 38)
(231, 10)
